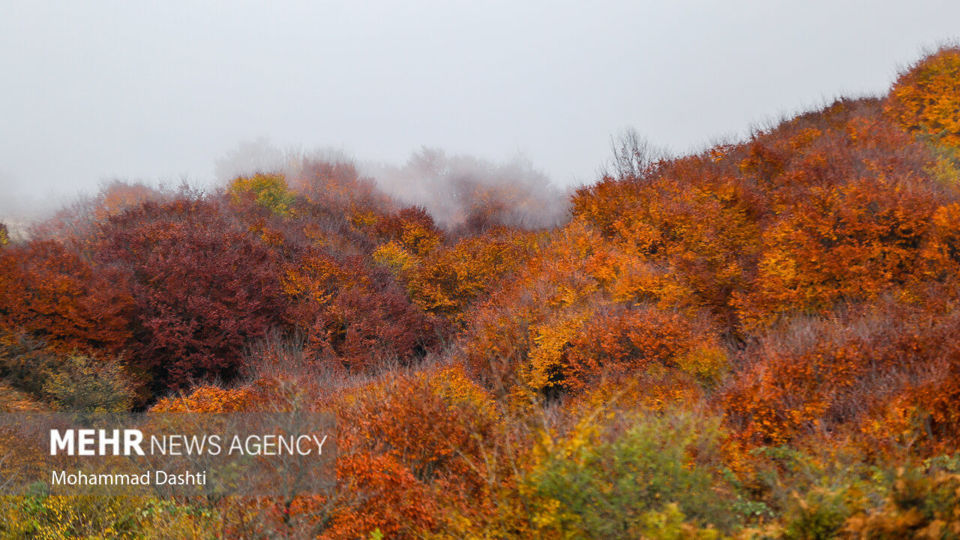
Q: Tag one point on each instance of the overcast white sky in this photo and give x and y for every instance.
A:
(161, 90)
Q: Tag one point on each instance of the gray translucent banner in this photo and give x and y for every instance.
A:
(167, 454)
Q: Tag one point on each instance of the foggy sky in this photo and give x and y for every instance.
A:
(91, 91)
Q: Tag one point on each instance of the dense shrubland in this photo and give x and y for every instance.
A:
(759, 340)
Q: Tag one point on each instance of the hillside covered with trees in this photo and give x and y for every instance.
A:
(761, 340)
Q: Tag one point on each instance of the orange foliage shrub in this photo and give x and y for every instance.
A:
(847, 243)
(618, 341)
(786, 391)
(848, 141)
(412, 229)
(446, 280)
(925, 416)
(384, 496)
(704, 231)
(584, 308)
(570, 317)
(119, 196)
(942, 249)
(433, 423)
(208, 399)
(926, 98)
(762, 228)
(409, 445)
(656, 389)
(554, 288)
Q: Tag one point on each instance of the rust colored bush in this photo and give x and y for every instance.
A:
(55, 295)
(422, 436)
(413, 229)
(337, 186)
(830, 375)
(352, 314)
(433, 423)
(384, 496)
(619, 341)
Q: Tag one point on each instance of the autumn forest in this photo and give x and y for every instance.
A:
(760, 340)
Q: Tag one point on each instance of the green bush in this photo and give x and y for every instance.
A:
(819, 515)
(617, 480)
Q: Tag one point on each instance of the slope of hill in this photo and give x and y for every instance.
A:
(755, 341)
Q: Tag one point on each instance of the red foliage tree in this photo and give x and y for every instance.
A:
(203, 285)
